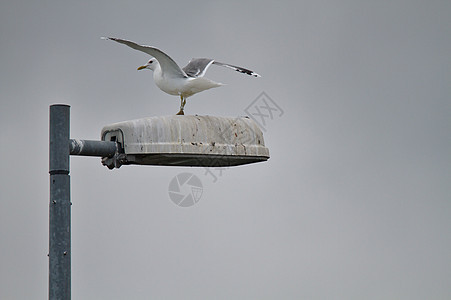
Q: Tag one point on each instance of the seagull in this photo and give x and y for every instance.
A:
(172, 79)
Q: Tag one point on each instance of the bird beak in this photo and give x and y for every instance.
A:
(142, 67)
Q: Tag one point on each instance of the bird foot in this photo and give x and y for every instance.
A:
(180, 113)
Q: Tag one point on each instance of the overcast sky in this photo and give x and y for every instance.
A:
(354, 202)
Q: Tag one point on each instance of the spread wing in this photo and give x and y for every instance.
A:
(168, 66)
(198, 66)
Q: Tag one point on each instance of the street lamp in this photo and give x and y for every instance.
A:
(197, 141)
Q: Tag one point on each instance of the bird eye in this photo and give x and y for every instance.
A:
(150, 61)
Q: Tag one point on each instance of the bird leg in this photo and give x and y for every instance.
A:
(182, 105)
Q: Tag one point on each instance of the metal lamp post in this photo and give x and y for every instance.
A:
(61, 147)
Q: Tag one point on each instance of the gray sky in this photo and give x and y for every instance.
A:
(353, 204)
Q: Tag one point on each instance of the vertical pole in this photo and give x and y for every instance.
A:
(59, 210)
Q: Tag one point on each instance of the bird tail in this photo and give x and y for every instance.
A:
(200, 84)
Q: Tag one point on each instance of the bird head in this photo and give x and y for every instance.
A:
(151, 65)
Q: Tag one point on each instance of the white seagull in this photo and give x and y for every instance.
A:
(172, 79)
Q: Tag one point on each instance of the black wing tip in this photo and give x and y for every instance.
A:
(238, 69)
(107, 38)
(249, 72)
